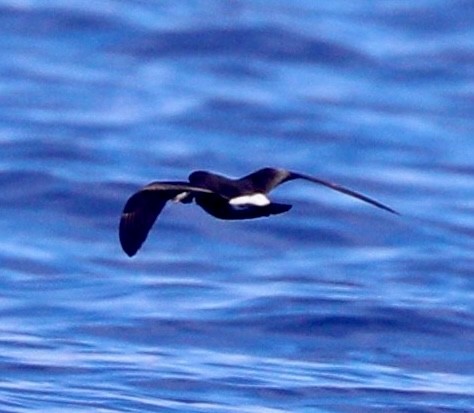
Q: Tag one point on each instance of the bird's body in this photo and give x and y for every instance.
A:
(219, 196)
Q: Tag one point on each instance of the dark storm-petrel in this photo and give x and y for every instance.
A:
(219, 196)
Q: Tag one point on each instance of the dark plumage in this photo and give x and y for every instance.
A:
(221, 197)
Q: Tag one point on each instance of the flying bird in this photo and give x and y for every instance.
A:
(219, 196)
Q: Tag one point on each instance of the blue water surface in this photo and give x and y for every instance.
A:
(333, 307)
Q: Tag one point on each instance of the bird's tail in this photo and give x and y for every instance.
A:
(275, 208)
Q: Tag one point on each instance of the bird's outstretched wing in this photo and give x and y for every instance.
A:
(264, 180)
(142, 209)
(222, 185)
(344, 190)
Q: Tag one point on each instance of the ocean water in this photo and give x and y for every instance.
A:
(335, 306)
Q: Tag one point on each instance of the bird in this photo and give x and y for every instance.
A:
(222, 197)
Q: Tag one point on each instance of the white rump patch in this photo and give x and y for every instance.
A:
(250, 200)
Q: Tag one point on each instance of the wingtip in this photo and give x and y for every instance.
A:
(382, 206)
(387, 208)
(128, 249)
(127, 237)
(130, 253)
